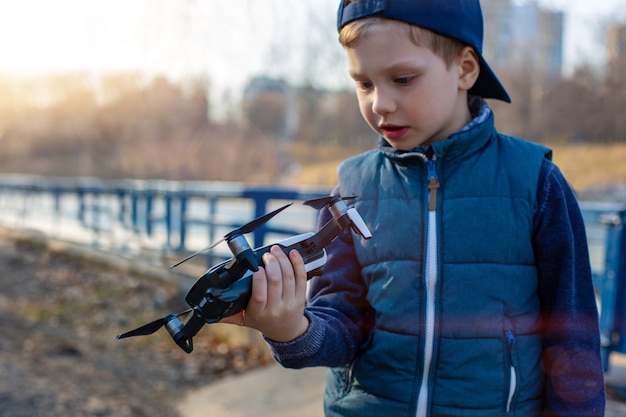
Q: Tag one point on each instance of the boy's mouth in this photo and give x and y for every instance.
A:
(393, 131)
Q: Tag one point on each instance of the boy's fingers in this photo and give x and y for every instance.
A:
(273, 274)
(237, 318)
(258, 298)
(297, 262)
(286, 271)
(298, 266)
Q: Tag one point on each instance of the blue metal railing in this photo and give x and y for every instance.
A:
(174, 216)
(185, 217)
(607, 241)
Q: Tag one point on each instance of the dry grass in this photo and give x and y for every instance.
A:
(587, 166)
(318, 166)
(584, 165)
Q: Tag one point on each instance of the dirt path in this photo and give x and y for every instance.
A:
(58, 352)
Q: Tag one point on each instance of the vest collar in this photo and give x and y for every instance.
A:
(473, 137)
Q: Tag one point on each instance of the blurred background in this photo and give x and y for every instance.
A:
(133, 132)
(257, 90)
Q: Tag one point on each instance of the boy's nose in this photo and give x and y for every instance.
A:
(382, 102)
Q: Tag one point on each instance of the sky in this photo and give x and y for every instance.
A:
(230, 40)
(585, 21)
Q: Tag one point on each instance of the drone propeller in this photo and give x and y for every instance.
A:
(148, 329)
(197, 253)
(256, 223)
(246, 228)
(320, 203)
(340, 211)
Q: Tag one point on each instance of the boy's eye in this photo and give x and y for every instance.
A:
(364, 85)
(403, 80)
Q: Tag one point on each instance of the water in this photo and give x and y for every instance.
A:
(107, 220)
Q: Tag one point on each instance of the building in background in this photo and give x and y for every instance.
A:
(616, 53)
(269, 104)
(524, 33)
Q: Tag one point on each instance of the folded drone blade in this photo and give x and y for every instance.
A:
(153, 326)
(146, 329)
(197, 253)
(320, 203)
(246, 228)
(256, 223)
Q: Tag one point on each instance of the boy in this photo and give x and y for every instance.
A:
(474, 296)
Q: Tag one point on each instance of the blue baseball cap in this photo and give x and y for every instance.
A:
(458, 19)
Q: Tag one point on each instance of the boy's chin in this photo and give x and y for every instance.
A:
(408, 145)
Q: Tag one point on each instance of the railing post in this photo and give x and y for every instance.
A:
(96, 210)
(81, 205)
(182, 233)
(149, 204)
(168, 218)
(121, 201)
(620, 304)
(56, 192)
(610, 280)
(212, 229)
(134, 209)
(609, 291)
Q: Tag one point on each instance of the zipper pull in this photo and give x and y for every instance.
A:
(433, 183)
(510, 337)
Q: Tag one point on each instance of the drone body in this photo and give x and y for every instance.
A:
(225, 289)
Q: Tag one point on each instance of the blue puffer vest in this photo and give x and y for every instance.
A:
(486, 346)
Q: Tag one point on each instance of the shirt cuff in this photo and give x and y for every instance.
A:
(302, 347)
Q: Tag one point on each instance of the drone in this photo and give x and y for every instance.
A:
(224, 289)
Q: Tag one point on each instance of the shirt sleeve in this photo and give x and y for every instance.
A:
(340, 316)
(571, 360)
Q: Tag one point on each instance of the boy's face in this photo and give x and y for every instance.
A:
(405, 92)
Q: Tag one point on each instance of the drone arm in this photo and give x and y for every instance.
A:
(318, 241)
(332, 229)
(191, 327)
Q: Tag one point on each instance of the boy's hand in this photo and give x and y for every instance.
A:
(276, 306)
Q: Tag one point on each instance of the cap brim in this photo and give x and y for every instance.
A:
(487, 85)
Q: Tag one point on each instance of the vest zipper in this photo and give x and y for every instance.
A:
(512, 371)
(430, 278)
(433, 183)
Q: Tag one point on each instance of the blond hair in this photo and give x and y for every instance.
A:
(443, 46)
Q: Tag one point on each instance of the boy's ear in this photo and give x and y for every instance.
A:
(469, 68)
